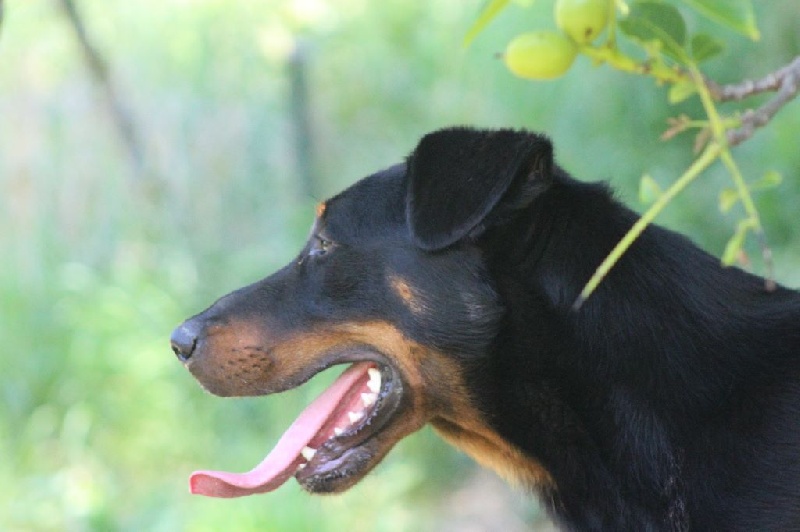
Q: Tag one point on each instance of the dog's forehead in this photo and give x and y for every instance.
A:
(373, 205)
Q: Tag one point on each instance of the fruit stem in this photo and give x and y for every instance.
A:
(610, 54)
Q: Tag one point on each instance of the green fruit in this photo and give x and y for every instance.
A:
(582, 20)
(540, 55)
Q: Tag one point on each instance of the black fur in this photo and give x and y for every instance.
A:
(669, 401)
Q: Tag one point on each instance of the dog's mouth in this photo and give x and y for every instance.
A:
(334, 442)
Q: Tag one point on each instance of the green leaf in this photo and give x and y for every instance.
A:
(769, 180)
(728, 197)
(653, 21)
(735, 244)
(735, 14)
(493, 7)
(704, 47)
(733, 247)
(681, 90)
(649, 191)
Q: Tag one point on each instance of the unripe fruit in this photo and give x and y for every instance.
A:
(540, 55)
(582, 20)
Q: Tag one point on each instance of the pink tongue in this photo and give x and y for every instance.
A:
(282, 462)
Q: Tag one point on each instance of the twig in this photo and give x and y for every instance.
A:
(710, 154)
(751, 120)
(753, 217)
(769, 83)
(723, 135)
(786, 81)
(100, 70)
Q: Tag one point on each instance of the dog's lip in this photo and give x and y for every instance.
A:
(342, 451)
(348, 354)
(341, 355)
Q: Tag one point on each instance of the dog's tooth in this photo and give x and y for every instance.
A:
(374, 383)
(308, 453)
(337, 431)
(355, 416)
(369, 398)
(301, 467)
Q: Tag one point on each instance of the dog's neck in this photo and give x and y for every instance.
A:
(602, 386)
(574, 399)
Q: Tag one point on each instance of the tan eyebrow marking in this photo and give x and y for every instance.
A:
(407, 294)
(320, 209)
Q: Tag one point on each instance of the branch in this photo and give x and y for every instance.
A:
(722, 135)
(100, 71)
(769, 83)
(786, 81)
(761, 116)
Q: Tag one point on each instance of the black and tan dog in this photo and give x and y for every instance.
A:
(669, 401)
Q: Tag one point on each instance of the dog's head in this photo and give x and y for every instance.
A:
(393, 283)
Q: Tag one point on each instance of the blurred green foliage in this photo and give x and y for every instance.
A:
(99, 425)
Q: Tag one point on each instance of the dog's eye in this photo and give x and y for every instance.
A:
(319, 246)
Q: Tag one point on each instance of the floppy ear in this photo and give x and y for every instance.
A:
(458, 177)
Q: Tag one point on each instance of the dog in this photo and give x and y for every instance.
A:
(669, 401)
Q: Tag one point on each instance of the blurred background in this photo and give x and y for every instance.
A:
(156, 154)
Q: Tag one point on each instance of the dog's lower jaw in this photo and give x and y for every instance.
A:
(341, 474)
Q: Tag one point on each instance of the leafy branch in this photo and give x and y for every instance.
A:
(672, 57)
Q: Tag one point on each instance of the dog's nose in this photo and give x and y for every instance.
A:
(184, 340)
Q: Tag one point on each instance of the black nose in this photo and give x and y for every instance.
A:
(184, 340)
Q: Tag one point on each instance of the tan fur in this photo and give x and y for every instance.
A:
(247, 359)
(487, 448)
(407, 294)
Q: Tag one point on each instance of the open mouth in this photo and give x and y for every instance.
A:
(332, 444)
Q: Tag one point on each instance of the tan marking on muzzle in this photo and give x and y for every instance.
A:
(233, 359)
(434, 383)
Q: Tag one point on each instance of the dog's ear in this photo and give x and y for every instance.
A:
(462, 180)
